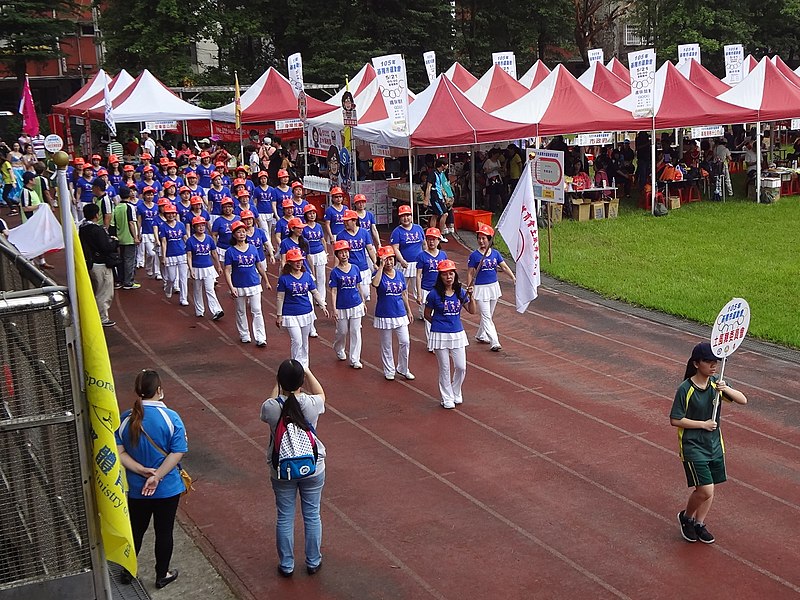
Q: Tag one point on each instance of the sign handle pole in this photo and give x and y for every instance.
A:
(717, 396)
(549, 242)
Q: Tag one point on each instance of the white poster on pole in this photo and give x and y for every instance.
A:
(730, 328)
(430, 65)
(506, 61)
(734, 63)
(596, 55)
(295, 64)
(688, 52)
(547, 174)
(642, 65)
(708, 131)
(601, 138)
(390, 71)
(321, 138)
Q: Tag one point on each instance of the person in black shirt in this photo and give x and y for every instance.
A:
(100, 251)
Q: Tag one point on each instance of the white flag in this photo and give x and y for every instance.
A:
(642, 65)
(295, 64)
(430, 65)
(390, 72)
(109, 114)
(39, 234)
(520, 231)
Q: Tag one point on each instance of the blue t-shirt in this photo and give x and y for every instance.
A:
(263, 199)
(174, 235)
(244, 273)
(358, 247)
(237, 210)
(446, 317)
(166, 429)
(278, 196)
(409, 241)
(296, 290)
(314, 235)
(428, 265)
(187, 218)
(346, 284)
(182, 209)
(390, 295)
(85, 186)
(299, 208)
(222, 227)
(201, 251)
(204, 175)
(488, 272)
(258, 240)
(282, 228)
(155, 184)
(367, 221)
(148, 215)
(174, 179)
(197, 191)
(215, 197)
(335, 219)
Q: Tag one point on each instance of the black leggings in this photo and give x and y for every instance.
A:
(163, 511)
(7, 189)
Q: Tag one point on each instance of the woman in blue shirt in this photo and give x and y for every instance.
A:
(348, 301)
(317, 247)
(407, 241)
(294, 309)
(262, 195)
(258, 238)
(483, 265)
(244, 276)
(334, 224)
(172, 235)
(151, 440)
(427, 264)
(222, 227)
(392, 313)
(366, 219)
(146, 213)
(204, 268)
(447, 338)
(361, 249)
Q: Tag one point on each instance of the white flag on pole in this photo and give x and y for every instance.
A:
(109, 110)
(39, 234)
(295, 64)
(430, 65)
(390, 72)
(520, 230)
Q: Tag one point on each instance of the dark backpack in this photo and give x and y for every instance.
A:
(294, 449)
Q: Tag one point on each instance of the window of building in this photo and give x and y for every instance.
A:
(632, 36)
(86, 29)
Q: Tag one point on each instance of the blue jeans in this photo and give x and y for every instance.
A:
(310, 499)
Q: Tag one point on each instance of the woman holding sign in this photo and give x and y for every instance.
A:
(699, 438)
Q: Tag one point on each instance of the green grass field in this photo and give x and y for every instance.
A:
(692, 261)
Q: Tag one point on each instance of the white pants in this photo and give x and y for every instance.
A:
(140, 255)
(450, 387)
(486, 329)
(366, 284)
(340, 339)
(266, 223)
(387, 356)
(152, 255)
(177, 275)
(299, 342)
(201, 287)
(259, 332)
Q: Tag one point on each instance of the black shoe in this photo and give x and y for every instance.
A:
(313, 570)
(703, 534)
(125, 577)
(167, 579)
(283, 573)
(108, 323)
(687, 527)
(218, 316)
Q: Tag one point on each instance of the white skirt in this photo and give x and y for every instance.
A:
(320, 258)
(299, 320)
(248, 291)
(487, 291)
(411, 270)
(389, 322)
(171, 261)
(447, 341)
(205, 273)
(351, 313)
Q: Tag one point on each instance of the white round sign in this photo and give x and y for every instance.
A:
(53, 143)
(730, 328)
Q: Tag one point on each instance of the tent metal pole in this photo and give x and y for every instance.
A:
(653, 189)
(758, 162)
(410, 184)
(472, 175)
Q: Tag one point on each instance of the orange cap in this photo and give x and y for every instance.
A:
(341, 245)
(294, 255)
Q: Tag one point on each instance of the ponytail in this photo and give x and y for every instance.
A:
(691, 370)
(292, 413)
(147, 383)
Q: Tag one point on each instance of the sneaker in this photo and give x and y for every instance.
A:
(245, 341)
(184, 303)
(357, 365)
(389, 377)
(496, 348)
(481, 340)
(218, 316)
(261, 344)
(458, 401)
(117, 286)
(168, 294)
(443, 239)
(408, 375)
(313, 334)
(159, 278)
(687, 527)
(703, 534)
(341, 355)
(167, 579)
(109, 323)
(447, 405)
(133, 286)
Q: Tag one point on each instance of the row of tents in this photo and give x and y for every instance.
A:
(458, 109)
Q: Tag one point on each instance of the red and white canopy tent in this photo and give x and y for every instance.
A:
(559, 105)
(461, 77)
(369, 108)
(604, 83)
(786, 70)
(534, 75)
(702, 77)
(495, 90)
(94, 86)
(618, 69)
(356, 85)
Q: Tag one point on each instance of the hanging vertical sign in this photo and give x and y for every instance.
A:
(595, 55)
(642, 65)
(688, 52)
(430, 65)
(295, 64)
(390, 71)
(734, 63)
(506, 61)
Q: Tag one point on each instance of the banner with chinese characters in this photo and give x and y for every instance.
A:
(688, 52)
(295, 65)
(642, 65)
(734, 61)
(390, 71)
(430, 65)
(322, 138)
(596, 55)
(506, 61)
(707, 131)
(600, 138)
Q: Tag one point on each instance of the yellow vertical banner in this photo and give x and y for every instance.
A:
(109, 479)
(237, 99)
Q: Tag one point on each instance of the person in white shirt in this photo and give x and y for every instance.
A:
(148, 145)
(723, 155)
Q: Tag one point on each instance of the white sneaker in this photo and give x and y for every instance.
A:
(458, 401)
(313, 334)
(448, 405)
(357, 365)
(408, 375)
(341, 355)
(389, 377)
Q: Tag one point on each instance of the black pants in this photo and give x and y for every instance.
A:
(7, 189)
(163, 511)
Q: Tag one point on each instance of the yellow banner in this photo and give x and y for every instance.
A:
(237, 99)
(109, 477)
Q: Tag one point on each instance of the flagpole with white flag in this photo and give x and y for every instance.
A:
(520, 231)
(109, 111)
(237, 100)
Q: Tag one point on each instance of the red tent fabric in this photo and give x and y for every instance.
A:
(357, 84)
(786, 70)
(604, 83)
(121, 82)
(461, 77)
(618, 69)
(441, 117)
(559, 104)
(680, 103)
(702, 77)
(92, 87)
(269, 99)
(495, 90)
(767, 92)
(535, 75)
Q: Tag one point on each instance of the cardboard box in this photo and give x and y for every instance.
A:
(674, 202)
(554, 212)
(597, 210)
(612, 208)
(580, 211)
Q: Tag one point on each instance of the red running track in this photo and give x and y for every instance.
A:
(557, 478)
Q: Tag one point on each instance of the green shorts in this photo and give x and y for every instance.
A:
(705, 472)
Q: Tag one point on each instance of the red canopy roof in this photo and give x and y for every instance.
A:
(618, 69)
(461, 77)
(787, 72)
(604, 83)
(702, 77)
(92, 87)
(534, 75)
(766, 91)
(495, 89)
(121, 82)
